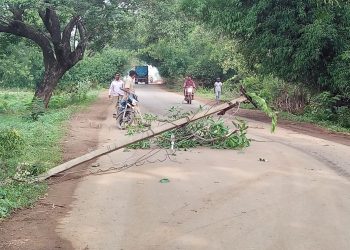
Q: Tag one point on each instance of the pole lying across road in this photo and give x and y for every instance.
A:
(221, 109)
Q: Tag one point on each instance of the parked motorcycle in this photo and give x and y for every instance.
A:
(127, 111)
(189, 92)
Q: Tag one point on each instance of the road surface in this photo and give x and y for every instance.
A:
(299, 198)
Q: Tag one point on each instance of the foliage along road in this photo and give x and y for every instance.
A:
(296, 196)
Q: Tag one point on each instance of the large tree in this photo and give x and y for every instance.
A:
(61, 50)
(62, 29)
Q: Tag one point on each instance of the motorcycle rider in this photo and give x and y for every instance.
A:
(189, 83)
(129, 88)
(129, 85)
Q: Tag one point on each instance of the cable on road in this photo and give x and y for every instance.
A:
(123, 165)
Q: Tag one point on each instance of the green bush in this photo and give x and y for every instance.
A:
(4, 106)
(260, 86)
(61, 100)
(14, 102)
(5, 204)
(80, 91)
(11, 143)
(72, 93)
(343, 116)
(321, 106)
(36, 108)
(17, 195)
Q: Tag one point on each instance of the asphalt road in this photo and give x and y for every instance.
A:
(299, 198)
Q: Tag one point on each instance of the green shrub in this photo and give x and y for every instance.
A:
(279, 94)
(14, 102)
(80, 91)
(5, 204)
(73, 93)
(17, 195)
(4, 106)
(35, 109)
(61, 100)
(11, 143)
(321, 106)
(343, 116)
(205, 92)
(265, 87)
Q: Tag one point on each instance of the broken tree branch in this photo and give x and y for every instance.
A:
(139, 137)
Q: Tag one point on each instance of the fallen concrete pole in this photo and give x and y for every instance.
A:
(221, 109)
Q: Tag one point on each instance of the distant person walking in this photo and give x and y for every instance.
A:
(218, 89)
(115, 90)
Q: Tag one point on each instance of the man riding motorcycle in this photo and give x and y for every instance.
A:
(189, 83)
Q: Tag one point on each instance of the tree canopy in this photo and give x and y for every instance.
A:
(298, 41)
(62, 29)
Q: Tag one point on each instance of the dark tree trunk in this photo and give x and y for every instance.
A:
(45, 89)
(55, 43)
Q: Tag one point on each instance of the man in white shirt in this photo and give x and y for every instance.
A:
(217, 88)
(115, 91)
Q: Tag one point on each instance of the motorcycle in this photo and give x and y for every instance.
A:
(127, 110)
(189, 94)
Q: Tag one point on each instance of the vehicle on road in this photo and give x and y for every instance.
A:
(142, 74)
(189, 93)
(127, 111)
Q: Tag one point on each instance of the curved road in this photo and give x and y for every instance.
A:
(299, 198)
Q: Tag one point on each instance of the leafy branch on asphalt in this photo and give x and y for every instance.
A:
(206, 132)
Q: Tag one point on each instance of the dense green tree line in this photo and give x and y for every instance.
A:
(298, 41)
(289, 51)
(163, 35)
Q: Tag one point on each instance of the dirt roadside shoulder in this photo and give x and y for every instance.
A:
(34, 228)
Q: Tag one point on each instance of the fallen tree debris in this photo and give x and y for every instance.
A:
(139, 137)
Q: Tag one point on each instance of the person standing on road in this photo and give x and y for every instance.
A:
(115, 90)
(217, 89)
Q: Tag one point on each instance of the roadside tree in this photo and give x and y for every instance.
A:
(62, 30)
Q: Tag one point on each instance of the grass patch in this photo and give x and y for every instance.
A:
(14, 102)
(19, 195)
(41, 150)
(205, 93)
